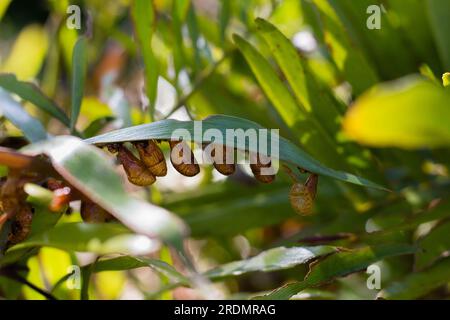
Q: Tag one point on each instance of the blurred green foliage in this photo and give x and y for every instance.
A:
(353, 103)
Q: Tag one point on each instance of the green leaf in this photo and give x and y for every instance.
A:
(348, 57)
(144, 18)
(32, 129)
(312, 134)
(267, 261)
(90, 171)
(317, 99)
(446, 79)
(3, 7)
(30, 92)
(340, 265)
(178, 16)
(385, 46)
(287, 151)
(418, 284)
(438, 212)
(408, 113)
(304, 86)
(433, 245)
(97, 125)
(440, 24)
(79, 67)
(38, 195)
(97, 238)
(208, 211)
(129, 262)
(415, 27)
(181, 9)
(275, 90)
(224, 19)
(192, 24)
(271, 260)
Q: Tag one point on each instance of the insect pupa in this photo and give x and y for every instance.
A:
(188, 168)
(223, 167)
(93, 213)
(21, 224)
(301, 196)
(136, 171)
(152, 156)
(257, 163)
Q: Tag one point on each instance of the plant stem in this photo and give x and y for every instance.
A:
(20, 279)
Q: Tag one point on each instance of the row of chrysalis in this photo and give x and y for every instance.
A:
(140, 171)
(151, 163)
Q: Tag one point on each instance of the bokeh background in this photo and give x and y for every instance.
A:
(198, 70)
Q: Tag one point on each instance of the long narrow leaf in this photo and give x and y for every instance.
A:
(287, 151)
(144, 18)
(304, 86)
(3, 7)
(418, 284)
(14, 112)
(440, 25)
(97, 238)
(29, 92)
(271, 260)
(349, 58)
(339, 265)
(79, 66)
(129, 262)
(92, 173)
(311, 134)
(409, 113)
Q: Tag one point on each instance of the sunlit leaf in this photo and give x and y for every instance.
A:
(410, 113)
(3, 7)
(271, 260)
(446, 79)
(129, 262)
(27, 54)
(97, 238)
(339, 265)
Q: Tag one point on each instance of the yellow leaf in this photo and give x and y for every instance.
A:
(409, 113)
(3, 6)
(28, 53)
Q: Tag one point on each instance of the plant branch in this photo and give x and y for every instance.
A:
(14, 276)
